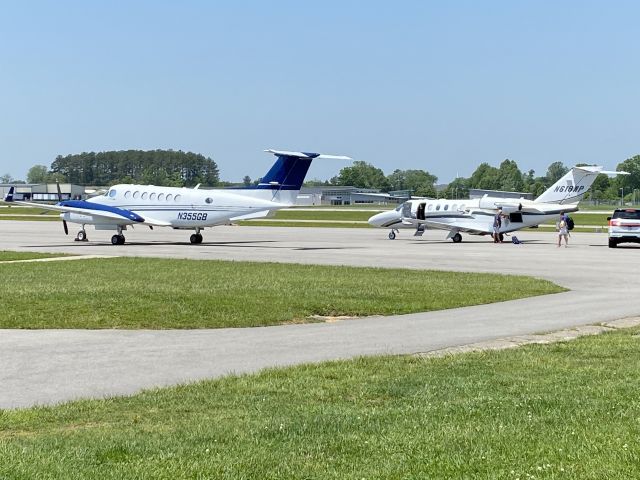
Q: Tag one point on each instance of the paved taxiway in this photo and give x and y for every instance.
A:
(48, 366)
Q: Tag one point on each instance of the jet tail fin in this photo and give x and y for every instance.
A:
(285, 177)
(572, 186)
(290, 169)
(9, 196)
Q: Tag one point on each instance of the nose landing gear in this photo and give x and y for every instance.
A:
(196, 238)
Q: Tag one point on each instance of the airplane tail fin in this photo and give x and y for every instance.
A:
(572, 186)
(9, 196)
(285, 177)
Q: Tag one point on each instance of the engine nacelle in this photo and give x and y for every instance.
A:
(492, 203)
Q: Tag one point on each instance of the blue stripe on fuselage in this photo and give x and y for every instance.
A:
(84, 205)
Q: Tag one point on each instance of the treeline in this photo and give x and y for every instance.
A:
(156, 167)
(507, 177)
(177, 168)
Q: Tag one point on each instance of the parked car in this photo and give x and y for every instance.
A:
(624, 226)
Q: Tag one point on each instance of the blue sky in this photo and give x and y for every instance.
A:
(439, 86)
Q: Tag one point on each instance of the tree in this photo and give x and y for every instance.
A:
(458, 188)
(6, 178)
(246, 181)
(511, 178)
(555, 172)
(485, 177)
(159, 167)
(37, 174)
(420, 182)
(362, 175)
(632, 181)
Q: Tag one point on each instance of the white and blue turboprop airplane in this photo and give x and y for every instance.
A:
(186, 208)
(475, 216)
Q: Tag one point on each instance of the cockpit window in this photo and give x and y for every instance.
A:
(112, 193)
(399, 207)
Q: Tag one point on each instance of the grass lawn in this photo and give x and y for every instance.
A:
(164, 293)
(9, 256)
(561, 411)
(298, 223)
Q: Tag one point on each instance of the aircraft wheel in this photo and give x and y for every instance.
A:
(121, 239)
(501, 237)
(115, 240)
(457, 238)
(195, 238)
(392, 235)
(199, 237)
(81, 236)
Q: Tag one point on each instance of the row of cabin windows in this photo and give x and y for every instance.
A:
(152, 196)
(454, 207)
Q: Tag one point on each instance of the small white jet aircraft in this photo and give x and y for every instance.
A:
(186, 208)
(476, 216)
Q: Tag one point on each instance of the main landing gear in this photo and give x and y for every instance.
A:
(457, 238)
(81, 235)
(118, 239)
(196, 238)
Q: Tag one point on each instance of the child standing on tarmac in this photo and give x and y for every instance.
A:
(563, 231)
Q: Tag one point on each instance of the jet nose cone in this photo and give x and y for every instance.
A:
(376, 220)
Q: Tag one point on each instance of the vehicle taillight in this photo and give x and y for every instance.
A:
(614, 222)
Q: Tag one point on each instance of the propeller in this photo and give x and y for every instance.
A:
(64, 222)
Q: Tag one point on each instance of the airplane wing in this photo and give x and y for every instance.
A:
(462, 225)
(248, 216)
(83, 207)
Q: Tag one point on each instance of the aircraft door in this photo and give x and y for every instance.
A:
(420, 213)
(515, 217)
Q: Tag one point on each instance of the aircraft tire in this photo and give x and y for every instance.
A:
(392, 235)
(195, 238)
(457, 238)
(82, 236)
(115, 240)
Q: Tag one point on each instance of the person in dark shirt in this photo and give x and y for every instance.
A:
(497, 223)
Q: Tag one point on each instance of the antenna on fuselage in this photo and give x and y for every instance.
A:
(197, 186)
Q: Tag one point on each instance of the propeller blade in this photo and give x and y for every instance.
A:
(59, 191)
(64, 225)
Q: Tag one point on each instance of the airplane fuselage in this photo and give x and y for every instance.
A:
(172, 206)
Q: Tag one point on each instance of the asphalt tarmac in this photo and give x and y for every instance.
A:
(51, 366)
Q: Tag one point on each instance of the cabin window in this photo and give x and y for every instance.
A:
(160, 197)
(144, 195)
(430, 207)
(112, 193)
(454, 207)
(462, 207)
(152, 196)
(446, 206)
(136, 194)
(177, 197)
(438, 207)
(169, 197)
(209, 200)
(127, 194)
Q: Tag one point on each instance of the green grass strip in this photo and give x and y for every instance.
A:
(6, 256)
(166, 293)
(298, 223)
(567, 411)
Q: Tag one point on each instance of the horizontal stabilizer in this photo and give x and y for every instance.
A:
(284, 153)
